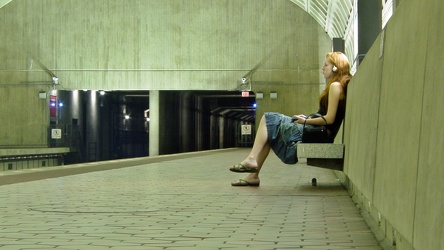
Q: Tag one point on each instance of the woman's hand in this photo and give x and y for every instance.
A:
(299, 118)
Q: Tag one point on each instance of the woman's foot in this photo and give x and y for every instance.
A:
(246, 166)
(244, 183)
(249, 180)
(241, 168)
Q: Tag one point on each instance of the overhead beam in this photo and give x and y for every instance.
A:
(4, 2)
(332, 15)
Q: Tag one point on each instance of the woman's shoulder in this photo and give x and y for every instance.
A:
(336, 89)
(336, 86)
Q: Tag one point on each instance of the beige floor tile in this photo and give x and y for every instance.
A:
(185, 203)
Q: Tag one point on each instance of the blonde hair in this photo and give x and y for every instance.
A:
(341, 74)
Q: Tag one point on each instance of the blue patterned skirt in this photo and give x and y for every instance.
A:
(283, 135)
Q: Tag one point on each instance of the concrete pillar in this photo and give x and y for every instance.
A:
(221, 131)
(186, 122)
(199, 128)
(369, 25)
(339, 45)
(92, 126)
(154, 123)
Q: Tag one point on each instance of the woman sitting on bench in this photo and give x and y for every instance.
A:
(281, 133)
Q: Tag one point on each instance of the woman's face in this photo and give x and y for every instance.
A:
(327, 69)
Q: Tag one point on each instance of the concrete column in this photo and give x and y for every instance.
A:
(369, 25)
(92, 126)
(154, 123)
(186, 122)
(199, 128)
(221, 131)
(213, 135)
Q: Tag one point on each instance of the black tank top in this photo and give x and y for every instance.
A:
(340, 114)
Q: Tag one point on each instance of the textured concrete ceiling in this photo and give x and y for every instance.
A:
(332, 15)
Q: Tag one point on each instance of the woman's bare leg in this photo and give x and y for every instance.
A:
(260, 149)
(259, 152)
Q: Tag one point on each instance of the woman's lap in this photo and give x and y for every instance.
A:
(283, 135)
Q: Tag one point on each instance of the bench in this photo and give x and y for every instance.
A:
(323, 155)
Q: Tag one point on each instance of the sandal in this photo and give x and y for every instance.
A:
(244, 183)
(241, 168)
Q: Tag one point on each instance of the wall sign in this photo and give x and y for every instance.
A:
(246, 129)
(56, 133)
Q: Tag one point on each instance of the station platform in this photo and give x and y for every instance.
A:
(182, 201)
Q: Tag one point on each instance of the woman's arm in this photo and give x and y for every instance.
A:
(333, 102)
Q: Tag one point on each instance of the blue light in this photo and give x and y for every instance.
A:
(254, 105)
(52, 104)
(61, 104)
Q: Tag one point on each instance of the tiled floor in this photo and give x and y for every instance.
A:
(184, 203)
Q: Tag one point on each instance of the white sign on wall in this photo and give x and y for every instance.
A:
(246, 129)
(56, 133)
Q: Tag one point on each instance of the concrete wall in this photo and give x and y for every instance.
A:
(157, 45)
(393, 136)
(153, 45)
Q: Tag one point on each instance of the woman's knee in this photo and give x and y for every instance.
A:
(263, 118)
